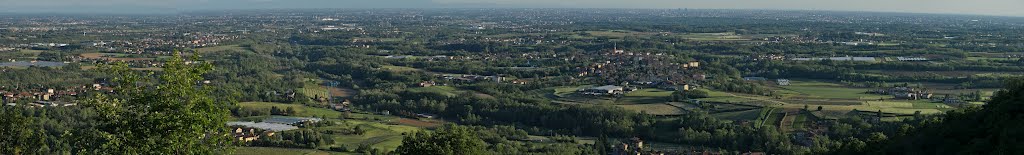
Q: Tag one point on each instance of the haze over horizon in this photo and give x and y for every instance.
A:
(974, 7)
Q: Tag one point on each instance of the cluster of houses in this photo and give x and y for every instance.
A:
(251, 131)
(950, 100)
(904, 93)
(767, 57)
(47, 97)
(7, 49)
(343, 106)
(250, 134)
(635, 146)
(617, 66)
(909, 93)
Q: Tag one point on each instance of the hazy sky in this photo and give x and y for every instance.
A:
(987, 7)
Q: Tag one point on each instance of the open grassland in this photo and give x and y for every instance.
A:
(378, 135)
(568, 90)
(30, 53)
(739, 115)
(654, 109)
(825, 91)
(641, 100)
(718, 96)
(649, 92)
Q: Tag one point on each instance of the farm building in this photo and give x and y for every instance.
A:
(604, 90)
(911, 59)
(783, 82)
(906, 93)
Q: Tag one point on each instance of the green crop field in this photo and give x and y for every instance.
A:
(654, 109)
(313, 90)
(33, 53)
(567, 90)
(800, 122)
(378, 135)
(641, 100)
(820, 91)
(739, 115)
(717, 96)
(649, 92)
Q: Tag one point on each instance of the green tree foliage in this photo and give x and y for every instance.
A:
(445, 141)
(18, 137)
(171, 114)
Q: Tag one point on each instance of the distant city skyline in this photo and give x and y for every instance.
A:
(975, 7)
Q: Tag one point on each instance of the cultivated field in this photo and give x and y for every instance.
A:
(739, 115)
(654, 109)
(645, 96)
(382, 132)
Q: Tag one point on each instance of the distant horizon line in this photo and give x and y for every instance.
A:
(180, 12)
